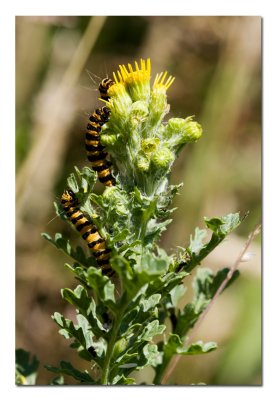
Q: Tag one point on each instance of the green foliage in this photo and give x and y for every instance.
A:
(121, 323)
(119, 320)
(26, 368)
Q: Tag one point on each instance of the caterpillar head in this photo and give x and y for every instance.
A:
(104, 86)
(68, 198)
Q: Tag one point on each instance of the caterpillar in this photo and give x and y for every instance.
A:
(88, 231)
(93, 146)
(104, 86)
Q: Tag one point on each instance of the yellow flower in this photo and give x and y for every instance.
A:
(138, 74)
(159, 81)
(136, 80)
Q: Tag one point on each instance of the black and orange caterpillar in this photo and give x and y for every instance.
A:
(88, 231)
(104, 86)
(95, 150)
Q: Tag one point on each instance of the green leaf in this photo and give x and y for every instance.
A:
(77, 254)
(176, 294)
(164, 284)
(152, 355)
(88, 348)
(207, 283)
(197, 348)
(197, 250)
(186, 319)
(121, 236)
(153, 265)
(122, 380)
(26, 367)
(128, 359)
(86, 305)
(72, 183)
(154, 230)
(122, 268)
(147, 271)
(151, 330)
(67, 369)
(119, 347)
(102, 285)
(58, 380)
(87, 179)
(150, 302)
(175, 345)
(196, 242)
(224, 225)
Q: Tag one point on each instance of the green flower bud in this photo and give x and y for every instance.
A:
(116, 199)
(110, 192)
(120, 101)
(139, 112)
(119, 347)
(183, 130)
(108, 139)
(118, 91)
(158, 106)
(142, 163)
(193, 131)
(149, 145)
(162, 158)
(139, 89)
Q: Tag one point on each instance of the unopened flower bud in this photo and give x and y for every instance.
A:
(108, 139)
(142, 163)
(120, 101)
(149, 145)
(183, 130)
(139, 112)
(158, 106)
(162, 158)
(116, 199)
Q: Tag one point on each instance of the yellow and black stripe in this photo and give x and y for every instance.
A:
(104, 86)
(95, 150)
(88, 231)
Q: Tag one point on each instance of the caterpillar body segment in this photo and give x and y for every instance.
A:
(88, 231)
(95, 150)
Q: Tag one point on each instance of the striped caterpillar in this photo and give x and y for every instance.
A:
(104, 86)
(88, 231)
(95, 150)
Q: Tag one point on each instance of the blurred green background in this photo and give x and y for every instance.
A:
(217, 64)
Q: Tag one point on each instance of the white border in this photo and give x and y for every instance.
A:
(7, 87)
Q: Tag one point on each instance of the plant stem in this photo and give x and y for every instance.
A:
(110, 348)
(160, 372)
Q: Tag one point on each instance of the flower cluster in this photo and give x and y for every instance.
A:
(141, 144)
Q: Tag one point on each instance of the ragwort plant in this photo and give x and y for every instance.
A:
(121, 317)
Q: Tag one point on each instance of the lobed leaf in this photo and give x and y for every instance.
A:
(197, 250)
(77, 254)
(67, 369)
